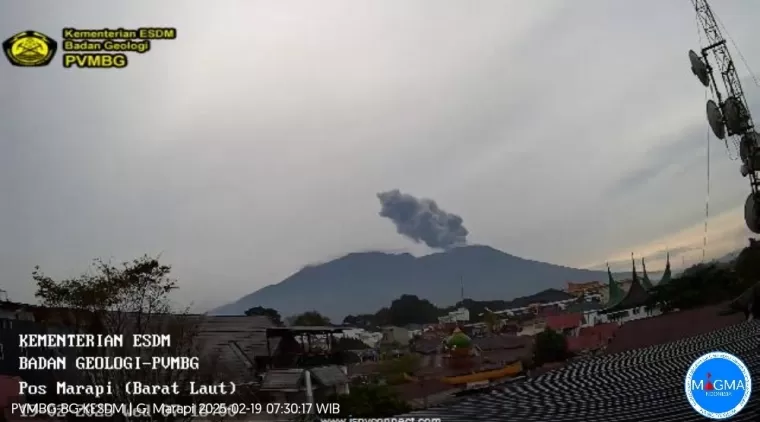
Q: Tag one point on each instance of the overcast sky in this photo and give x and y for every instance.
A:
(570, 132)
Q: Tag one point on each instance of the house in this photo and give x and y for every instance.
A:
(583, 289)
(395, 335)
(466, 363)
(458, 315)
(590, 311)
(532, 327)
(566, 323)
(592, 338)
(238, 344)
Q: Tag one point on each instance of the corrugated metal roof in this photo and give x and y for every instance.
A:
(329, 375)
(287, 380)
(235, 342)
(644, 385)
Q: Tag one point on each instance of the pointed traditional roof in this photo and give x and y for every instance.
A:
(635, 297)
(615, 292)
(646, 282)
(666, 275)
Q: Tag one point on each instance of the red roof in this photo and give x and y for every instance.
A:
(604, 331)
(670, 327)
(590, 338)
(563, 322)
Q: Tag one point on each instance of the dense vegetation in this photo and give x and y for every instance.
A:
(267, 312)
(410, 309)
(700, 285)
(550, 346)
(371, 401)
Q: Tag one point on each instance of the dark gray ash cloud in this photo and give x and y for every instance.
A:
(422, 220)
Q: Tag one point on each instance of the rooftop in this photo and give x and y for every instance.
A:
(615, 387)
(564, 321)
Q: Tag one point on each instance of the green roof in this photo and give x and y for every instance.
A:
(646, 282)
(459, 340)
(616, 293)
(666, 275)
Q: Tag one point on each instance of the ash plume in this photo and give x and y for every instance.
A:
(422, 220)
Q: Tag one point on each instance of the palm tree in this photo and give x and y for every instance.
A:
(492, 321)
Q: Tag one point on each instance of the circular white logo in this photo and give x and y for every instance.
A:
(718, 385)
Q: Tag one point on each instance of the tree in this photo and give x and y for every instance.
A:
(267, 312)
(700, 285)
(395, 369)
(550, 346)
(362, 320)
(492, 321)
(311, 318)
(747, 264)
(133, 299)
(370, 401)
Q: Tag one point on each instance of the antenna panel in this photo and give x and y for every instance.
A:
(752, 213)
(699, 68)
(715, 118)
(747, 146)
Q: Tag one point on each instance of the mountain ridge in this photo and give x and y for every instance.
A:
(363, 282)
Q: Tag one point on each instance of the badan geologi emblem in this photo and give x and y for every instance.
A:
(30, 49)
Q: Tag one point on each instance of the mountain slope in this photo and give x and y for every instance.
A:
(365, 282)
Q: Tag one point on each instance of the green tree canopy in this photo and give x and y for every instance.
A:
(371, 401)
(700, 285)
(550, 346)
(311, 318)
(267, 312)
(130, 299)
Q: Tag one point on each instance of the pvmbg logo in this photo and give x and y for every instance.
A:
(718, 385)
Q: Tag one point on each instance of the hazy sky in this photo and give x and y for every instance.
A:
(569, 131)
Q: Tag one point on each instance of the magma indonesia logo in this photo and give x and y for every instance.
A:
(718, 385)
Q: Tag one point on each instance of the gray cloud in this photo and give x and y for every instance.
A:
(422, 220)
(675, 252)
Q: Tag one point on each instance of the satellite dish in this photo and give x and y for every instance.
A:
(736, 115)
(752, 213)
(699, 68)
(715, 118)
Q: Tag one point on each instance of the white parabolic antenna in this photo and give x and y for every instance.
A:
(752, 213)
(728, 112)
(736, 116)
(699, 68)
(715, 119)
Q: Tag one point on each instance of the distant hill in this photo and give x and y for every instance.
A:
(361, 283)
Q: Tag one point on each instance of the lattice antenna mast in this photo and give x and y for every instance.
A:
(728, 112)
